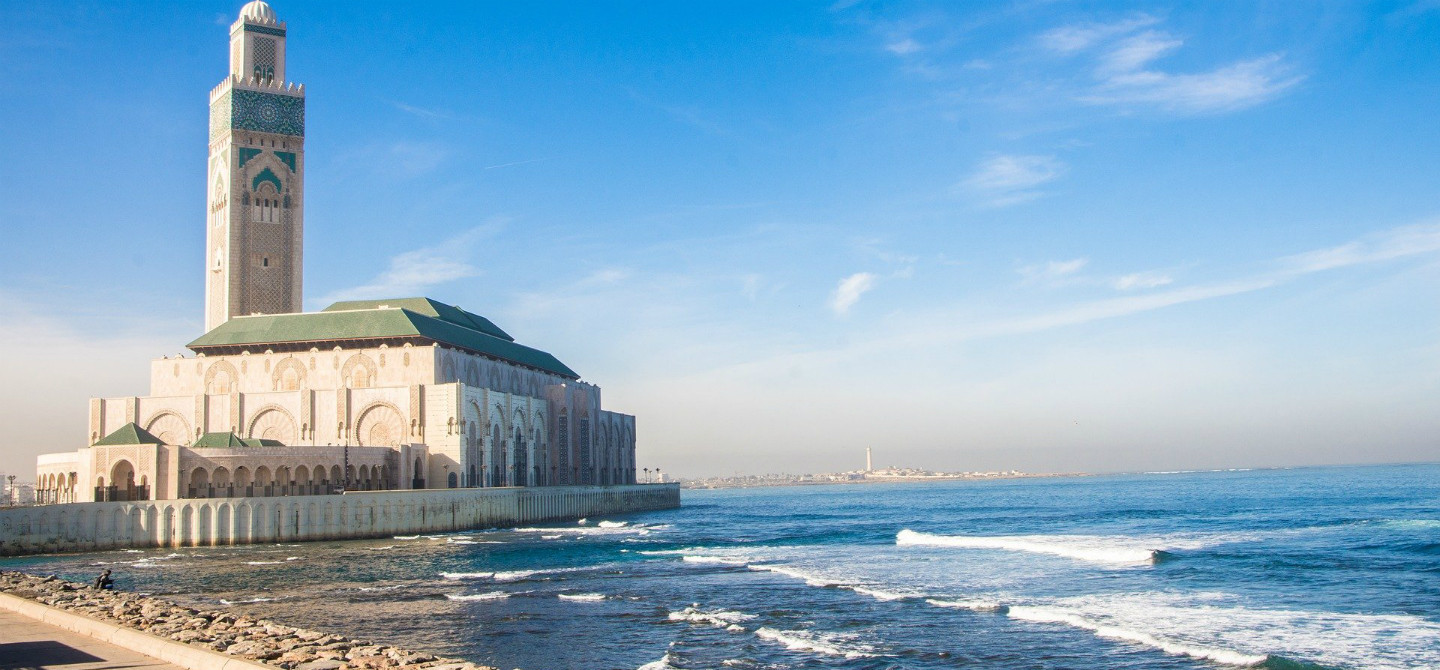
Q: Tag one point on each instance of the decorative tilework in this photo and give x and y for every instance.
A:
(264, 31)
(267, 112)
(265, 175)
(246, 154)
(219, 116)
(288, 157)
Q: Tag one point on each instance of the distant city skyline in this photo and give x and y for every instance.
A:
(1045, 237)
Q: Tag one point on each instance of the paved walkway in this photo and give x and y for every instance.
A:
(27, 644)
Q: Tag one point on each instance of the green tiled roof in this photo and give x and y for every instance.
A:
(233, 441)
(430, 308)
(380, 319)
(129, 434)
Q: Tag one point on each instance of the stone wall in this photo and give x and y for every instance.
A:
(220, 521)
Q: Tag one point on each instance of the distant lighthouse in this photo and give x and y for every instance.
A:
(868, 466)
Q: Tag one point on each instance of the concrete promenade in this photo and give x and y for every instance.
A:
(28, 644)
(222, 521)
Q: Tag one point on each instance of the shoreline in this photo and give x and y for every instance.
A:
(700, 485)
(206, 638)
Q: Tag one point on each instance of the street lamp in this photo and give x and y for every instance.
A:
(647, 475)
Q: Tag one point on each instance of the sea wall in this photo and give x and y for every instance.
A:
(219, 521)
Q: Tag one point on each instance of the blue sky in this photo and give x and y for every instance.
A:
(1039, 235)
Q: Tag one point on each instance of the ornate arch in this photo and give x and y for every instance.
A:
(287, 370)
(215, 383)
(358, 361)
(380, 424)
(170, 427)
(272, 422)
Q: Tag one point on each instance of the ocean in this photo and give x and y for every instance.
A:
(1299, 568)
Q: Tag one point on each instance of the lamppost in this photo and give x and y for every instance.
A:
(647, 474)
(12, 498)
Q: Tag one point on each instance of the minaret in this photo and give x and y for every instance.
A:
(868, 468)
(256, 177)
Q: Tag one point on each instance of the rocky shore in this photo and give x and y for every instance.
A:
(259, 640)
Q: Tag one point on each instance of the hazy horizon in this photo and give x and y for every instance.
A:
(1049, 237)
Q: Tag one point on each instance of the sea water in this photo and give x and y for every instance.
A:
(1303, 568)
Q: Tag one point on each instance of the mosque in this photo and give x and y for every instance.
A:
(406, 393)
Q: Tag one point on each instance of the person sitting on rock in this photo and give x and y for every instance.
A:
(104, 582)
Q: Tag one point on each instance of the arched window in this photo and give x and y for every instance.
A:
(266, 203)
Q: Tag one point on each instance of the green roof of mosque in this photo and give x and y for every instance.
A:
(430, 308)
(380, 319)
(233, 441)
(128, 434)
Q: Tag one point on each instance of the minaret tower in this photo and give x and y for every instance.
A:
(256, 177)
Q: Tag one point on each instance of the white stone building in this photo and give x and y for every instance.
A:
(376, 394)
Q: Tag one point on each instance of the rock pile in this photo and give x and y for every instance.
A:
(259, 640)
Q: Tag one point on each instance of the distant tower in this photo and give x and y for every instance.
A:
(868, 467)
(256, 177)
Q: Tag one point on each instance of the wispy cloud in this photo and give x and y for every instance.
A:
(1052, 271)
(413, 272)
(903, 47)
(422, 112)
(1124, 70)
(1012, 179)
(1078, 37)
(1141, 280)
(848, 292)
(1395, 243)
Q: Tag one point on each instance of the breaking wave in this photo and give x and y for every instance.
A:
(583, 597)
(829, 644)
(493, 595)
(727, 619)
(1090, 548)
(989, 606)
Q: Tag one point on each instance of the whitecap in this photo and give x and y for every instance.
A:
(406, 537)
(1049, 615)
(456, 576)
(1094, 549)
(1213, 627)
(727, 619)
(613, 524)
(722, 560)
(810, 579)
(662, 664)
(242, 602)
(881, 594)
(829, 644)
(583, 597)
(263, 562)
(493, 595)
(972, 605)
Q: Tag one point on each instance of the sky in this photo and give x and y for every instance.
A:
(1045, 236)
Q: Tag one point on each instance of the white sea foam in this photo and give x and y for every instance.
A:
(972, 605)
(263, 562)
(493, 595)
(723, 560)
(294, 558)
(456, 576)
(407, 537)
(727, 619)
(808, 578)
(1050, 615)
(662, 664)
(455, 541)
(583, 597)
(613, 524)
(242, 602)
(1214, 628)
(881, 594)
(551, 537)
(830, 644)
(1091, 548)
(517, 575)
(583, 521)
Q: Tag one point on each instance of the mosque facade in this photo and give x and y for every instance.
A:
(405, 393)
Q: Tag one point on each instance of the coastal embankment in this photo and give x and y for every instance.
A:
(200, 639)
(200, 522)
